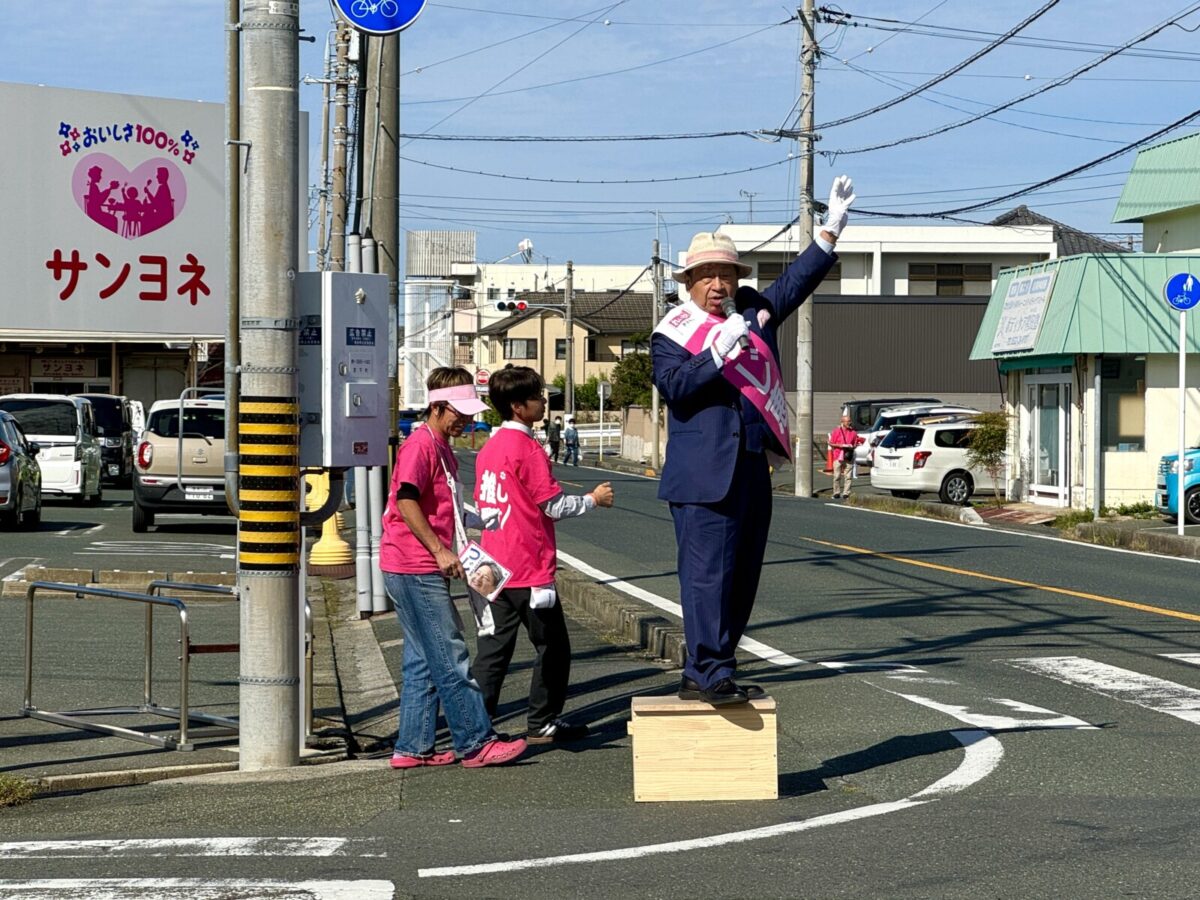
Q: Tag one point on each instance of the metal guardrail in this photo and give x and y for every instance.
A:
(82, 718)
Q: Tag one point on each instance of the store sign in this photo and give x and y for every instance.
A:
(115, 197)
(1024, 308)
(62, 367)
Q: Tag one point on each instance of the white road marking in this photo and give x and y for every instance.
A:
(179, 847)
(155, 548)
(982, 754)
(1023, 534)
(1192, 659)
(748, 644)
(193, 889)
(18, 574)
(1146, 691)
(1042, 718)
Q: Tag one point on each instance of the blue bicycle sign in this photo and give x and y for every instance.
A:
(380, 16)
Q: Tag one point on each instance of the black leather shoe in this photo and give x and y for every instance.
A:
(689, 690)
(724, 693)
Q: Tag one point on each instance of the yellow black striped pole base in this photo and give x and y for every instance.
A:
(269, 485)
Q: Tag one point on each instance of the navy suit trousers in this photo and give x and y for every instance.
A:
(721, 548)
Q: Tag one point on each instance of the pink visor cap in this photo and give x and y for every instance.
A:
(462, 397)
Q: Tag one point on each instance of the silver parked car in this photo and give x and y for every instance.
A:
(20, 477)
(65, 429)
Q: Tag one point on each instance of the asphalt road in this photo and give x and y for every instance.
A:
(963, 713)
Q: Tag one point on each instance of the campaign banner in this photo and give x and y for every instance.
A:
(115, 214)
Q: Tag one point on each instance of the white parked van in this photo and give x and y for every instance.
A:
(65, 430)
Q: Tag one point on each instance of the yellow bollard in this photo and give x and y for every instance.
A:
(330, 555)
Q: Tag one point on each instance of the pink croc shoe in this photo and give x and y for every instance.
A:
(494, 753)
(400, 761)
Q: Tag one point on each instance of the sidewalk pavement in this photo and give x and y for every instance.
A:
(88, 655)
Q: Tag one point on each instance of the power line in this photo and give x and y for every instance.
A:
(577, 139)
(1089, 165)
(1037, 14)
(504, 12)
(539, 180)
(657, 62)
(1070, 76)
(969, 34)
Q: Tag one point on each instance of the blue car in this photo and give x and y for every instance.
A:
(1167, 487)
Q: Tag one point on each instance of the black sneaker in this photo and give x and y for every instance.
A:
(557, 731)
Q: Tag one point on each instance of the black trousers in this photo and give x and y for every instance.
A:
(547, 630)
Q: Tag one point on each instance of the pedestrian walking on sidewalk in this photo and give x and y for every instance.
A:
(417, 559)
(571, 438)
(843, 440)
(554, 432)
(715, 363)
(514, 483)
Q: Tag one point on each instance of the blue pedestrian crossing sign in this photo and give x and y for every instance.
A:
(1182, 291)
(380, 16)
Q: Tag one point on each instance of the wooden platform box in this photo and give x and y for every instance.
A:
(689, 750)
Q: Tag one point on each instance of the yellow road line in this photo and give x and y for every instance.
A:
(1128, 604)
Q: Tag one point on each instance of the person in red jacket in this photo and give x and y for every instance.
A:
(843, 440)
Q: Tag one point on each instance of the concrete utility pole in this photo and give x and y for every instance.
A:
(802, 456)
(269, 428)
(341, 132)
(569, 302)
(655, 315)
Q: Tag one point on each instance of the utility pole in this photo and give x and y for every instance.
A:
(802, 457)
(268, 464)
(569, 302)
(655, 315)
(750, 195)
(341, 131)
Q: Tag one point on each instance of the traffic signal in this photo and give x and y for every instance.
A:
(511, 305)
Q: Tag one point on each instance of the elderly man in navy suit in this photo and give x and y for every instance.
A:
(716, 365)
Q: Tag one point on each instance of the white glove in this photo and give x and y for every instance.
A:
(841, 195)
(727, 335)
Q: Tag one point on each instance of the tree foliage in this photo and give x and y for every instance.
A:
(631, 381)
(587, 393)
(987, 447)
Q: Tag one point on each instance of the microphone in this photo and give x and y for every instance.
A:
(730, 309)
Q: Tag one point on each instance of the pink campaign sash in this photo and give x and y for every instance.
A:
(754, 372)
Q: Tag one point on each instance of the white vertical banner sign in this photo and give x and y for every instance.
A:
(1182, 292)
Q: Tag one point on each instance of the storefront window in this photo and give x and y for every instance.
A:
(1123, 416)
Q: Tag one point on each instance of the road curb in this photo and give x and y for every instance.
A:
(628, 619)
(946, 511)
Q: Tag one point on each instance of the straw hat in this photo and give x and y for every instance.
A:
(711, 247)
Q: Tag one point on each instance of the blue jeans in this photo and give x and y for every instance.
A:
(435, 666)
(572, 455)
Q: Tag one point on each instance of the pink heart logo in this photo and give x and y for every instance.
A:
(131, 204)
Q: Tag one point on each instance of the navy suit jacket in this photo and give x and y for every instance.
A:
(708, 421)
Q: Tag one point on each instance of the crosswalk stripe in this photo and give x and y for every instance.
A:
(1192, 659)
(193, 889)
(1146, 691)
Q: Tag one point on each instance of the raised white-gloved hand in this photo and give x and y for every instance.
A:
(841, 196)
(727, 335)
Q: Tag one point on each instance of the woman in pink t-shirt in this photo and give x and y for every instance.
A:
(514, 483)
(417, 559)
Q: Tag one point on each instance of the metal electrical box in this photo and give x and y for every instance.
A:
(343, 362)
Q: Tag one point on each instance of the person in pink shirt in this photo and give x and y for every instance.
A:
(418, 559)
(843, 440)
(514, 482)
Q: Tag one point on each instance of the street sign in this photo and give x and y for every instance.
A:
(482, 376)
(605, 389)
(1182, 291)
(380, 16)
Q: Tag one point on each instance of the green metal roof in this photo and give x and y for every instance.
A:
(1100, 303)
(1164, 178)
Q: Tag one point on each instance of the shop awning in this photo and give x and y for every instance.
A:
(1099, 303)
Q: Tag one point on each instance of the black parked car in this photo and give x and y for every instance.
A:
(114, 424)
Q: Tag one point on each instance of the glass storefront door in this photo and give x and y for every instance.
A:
(1048, 414)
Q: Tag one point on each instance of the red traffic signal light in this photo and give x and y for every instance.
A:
(511, 305)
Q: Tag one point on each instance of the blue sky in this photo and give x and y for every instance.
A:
(520, 67)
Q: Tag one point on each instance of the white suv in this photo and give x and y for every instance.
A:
(932, 458)
(901, 415)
